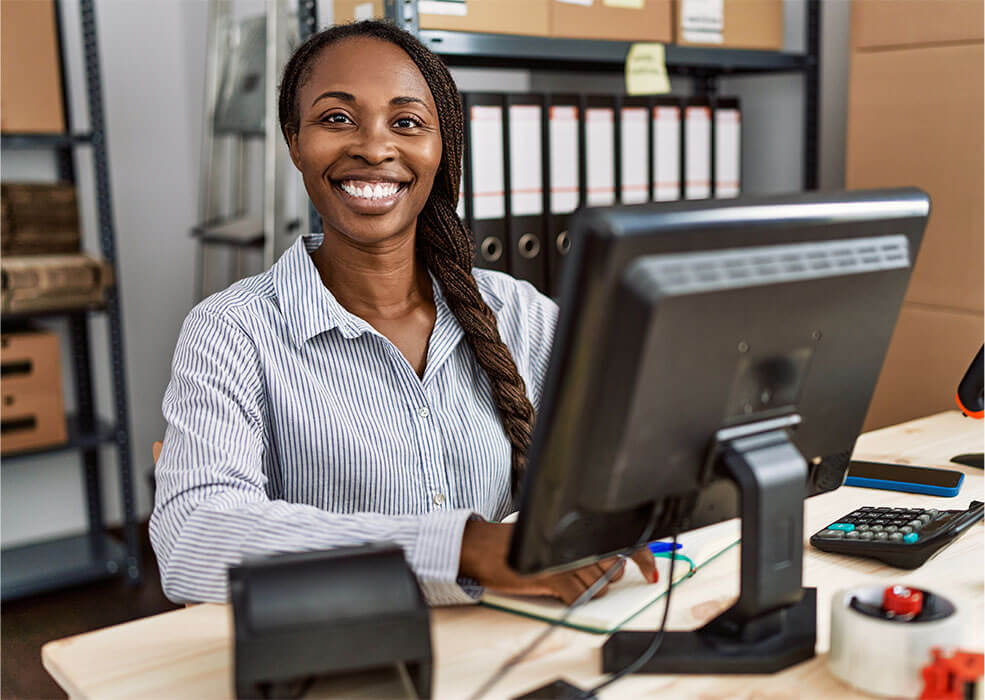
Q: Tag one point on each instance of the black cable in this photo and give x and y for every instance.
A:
(658, 638)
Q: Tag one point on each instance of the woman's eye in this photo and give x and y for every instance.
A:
(406, 123)
(337, 118)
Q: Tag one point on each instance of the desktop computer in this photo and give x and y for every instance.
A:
(714, 359)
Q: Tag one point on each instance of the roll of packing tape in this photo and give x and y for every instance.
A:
(881, 637)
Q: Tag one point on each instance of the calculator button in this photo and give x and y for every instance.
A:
(882, 535)
(867, 535)
(906, 529)
(896, 537)
(863, 528)
(834, 534)
(916, 524)
(925, 518)
(883, 509)
(911, 538)
(847, 527)
(853, 535)
(876, 528)
(891, 528)
(933, 512)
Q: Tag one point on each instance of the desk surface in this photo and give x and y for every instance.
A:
(188, 653)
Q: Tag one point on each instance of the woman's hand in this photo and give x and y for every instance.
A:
(483, 558)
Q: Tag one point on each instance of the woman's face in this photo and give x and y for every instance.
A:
(368, 143)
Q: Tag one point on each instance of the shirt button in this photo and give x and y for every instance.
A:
(423, 412)
(439, 498)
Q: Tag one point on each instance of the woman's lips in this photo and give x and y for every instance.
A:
(369, 197)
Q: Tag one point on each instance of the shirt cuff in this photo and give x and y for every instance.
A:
(436, 559)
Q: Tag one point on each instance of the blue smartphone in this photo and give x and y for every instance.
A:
(902, 477)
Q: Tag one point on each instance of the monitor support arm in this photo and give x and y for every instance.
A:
(773, 623)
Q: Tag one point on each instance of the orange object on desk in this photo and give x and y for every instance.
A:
(950, 677)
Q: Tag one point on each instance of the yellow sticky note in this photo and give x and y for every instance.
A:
(631, 4)
(646, 70)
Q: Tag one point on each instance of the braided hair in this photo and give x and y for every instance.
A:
(443, 241)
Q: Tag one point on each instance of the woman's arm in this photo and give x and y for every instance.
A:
(212, 507)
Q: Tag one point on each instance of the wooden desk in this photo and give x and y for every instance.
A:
(187, 653)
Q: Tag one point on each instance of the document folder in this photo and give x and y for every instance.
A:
(634, 145)
(565, 172)
(526, 225)
(728, 147)
(668, 163)
(486, 179)
(697, 145)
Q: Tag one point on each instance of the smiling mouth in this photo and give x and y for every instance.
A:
(370, 192)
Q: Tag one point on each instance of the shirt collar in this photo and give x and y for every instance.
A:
(310, 307)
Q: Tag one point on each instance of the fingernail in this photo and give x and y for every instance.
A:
(654, 578)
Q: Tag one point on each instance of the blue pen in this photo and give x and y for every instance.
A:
(661, 547)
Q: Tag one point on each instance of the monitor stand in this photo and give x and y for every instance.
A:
(773, 623)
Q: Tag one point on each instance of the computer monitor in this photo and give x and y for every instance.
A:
(714, 359)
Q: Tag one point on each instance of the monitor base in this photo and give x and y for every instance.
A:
(716, 649)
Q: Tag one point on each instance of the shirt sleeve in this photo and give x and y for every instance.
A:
(212, 508)
(541, 325)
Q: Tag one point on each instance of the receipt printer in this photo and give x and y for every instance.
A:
(298, 617)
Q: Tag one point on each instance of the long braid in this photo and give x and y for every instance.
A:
(443, 242)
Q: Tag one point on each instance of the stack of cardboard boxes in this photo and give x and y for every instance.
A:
(915, 118)
(749, 24)
(38, 218)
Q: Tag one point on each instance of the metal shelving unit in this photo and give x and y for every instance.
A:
(704, 65)
(67, 561)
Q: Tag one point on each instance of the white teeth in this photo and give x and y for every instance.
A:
(378, 191)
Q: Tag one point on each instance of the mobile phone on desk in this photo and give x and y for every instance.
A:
(902, 477)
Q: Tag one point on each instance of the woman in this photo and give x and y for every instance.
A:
(370, 386)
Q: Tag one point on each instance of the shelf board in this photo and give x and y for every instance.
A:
(507, 50)
(66, 561)
(78, 439)
(44, 140)
(241, 232)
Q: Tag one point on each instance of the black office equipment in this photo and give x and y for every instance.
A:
(297, 617)
(901, 537)
(699, 347)
(909, 478)
(971, 400)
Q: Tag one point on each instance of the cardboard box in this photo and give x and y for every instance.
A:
(879, 23)
(30, 363)
(909, 127)
(928, 355)
(744, 24)
(32, 411)
(650, 20)
(30, 76)
(31, 421)
(528, 17)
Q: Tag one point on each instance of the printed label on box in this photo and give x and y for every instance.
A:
(628, 4)
(583, 3)
(362, 11)
(442, 7)
(702, 21)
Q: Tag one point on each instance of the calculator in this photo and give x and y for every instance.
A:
(901, 537)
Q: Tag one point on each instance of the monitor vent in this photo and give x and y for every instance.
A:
(683, 273)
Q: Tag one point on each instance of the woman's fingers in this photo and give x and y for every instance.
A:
(607, 564)
(647, 563)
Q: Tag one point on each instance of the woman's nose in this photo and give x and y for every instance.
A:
(373, 143)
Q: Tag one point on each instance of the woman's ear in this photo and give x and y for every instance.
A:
(292, 146)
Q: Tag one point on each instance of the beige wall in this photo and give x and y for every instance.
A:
(915, 117)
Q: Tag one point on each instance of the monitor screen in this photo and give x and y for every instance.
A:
(683, 323)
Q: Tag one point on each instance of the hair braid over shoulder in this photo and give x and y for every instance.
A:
(443, 241)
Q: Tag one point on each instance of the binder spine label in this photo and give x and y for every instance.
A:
(698, 144)
(564, 159)
(600, 149)
(526, 175)
(635, 189)
(727, 164)
(666, 153)
(487, 163)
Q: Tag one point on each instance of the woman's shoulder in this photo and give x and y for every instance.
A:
(239, 304)
(505, 292)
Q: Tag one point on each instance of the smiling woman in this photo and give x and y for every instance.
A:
(371, 386)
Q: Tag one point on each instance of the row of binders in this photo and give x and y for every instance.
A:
(533, 159)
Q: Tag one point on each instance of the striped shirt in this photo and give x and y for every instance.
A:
(294, 425)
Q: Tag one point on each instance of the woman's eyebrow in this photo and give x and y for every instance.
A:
(338, 94)
(403, 100)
